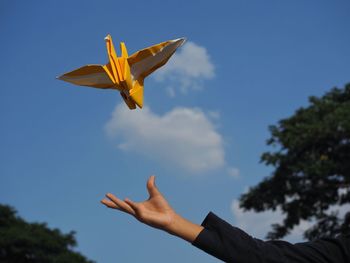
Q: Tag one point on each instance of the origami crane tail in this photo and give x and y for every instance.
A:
(136, 93)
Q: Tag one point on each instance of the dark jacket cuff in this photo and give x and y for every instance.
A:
(208, 239)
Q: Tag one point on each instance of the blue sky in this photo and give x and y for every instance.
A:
(246, 65)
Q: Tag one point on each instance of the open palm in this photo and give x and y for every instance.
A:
(155, 211)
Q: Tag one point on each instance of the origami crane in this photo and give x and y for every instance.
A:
(124, 73)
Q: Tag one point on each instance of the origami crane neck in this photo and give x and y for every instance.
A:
(119, 65)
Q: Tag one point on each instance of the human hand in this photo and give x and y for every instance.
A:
(155, 211)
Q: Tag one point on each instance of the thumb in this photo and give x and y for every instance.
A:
(151, 187)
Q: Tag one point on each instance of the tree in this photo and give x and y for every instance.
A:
(311, 176)
(34, 242)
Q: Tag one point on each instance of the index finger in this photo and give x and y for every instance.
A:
(121, 204)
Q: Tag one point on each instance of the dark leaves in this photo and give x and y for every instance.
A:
(311, 160)
(34, 242)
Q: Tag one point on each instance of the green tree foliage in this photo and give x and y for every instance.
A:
(34, 242)
(311, 176)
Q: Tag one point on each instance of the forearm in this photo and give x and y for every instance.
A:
(183, 228)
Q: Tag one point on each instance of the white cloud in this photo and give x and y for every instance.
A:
(187, 68)
(259, 224)
(184, 137)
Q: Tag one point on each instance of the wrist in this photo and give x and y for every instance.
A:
(183, 228)
(174, 224)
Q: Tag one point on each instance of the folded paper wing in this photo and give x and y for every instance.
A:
(124, 73)
(89, 75)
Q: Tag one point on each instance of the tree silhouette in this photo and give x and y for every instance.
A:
(311, 160)
(34, 242)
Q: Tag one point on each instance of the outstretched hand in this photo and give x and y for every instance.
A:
(155, 211)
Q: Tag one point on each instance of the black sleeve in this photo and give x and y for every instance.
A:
(231, 244)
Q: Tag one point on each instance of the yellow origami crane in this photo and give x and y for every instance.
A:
(125, 73)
